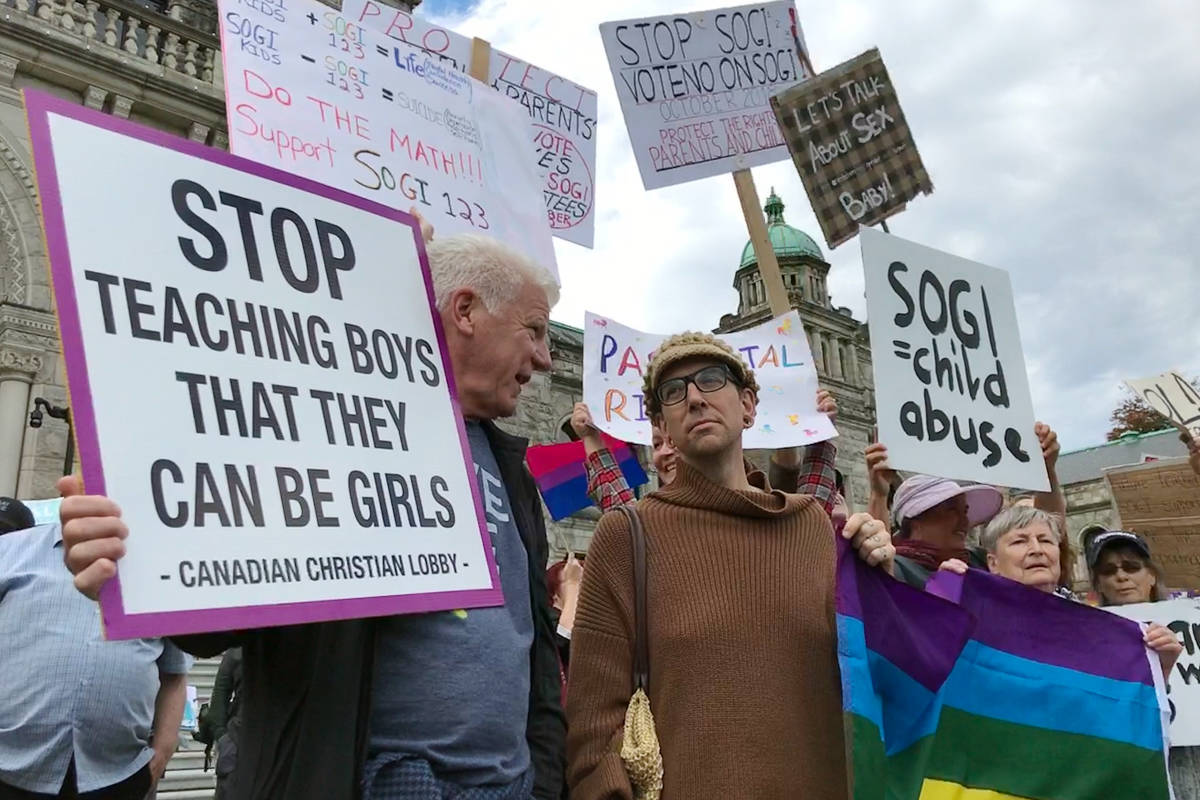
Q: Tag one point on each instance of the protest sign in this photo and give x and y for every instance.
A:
(261, 383)
(695, 88)
(852, 146)
(951, 393)
(1183, 689)
(1171, 395)
(615, 356)
(1161, 501)
(319, 93)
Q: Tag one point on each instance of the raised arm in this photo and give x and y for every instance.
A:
(1053, 501)
(606, 483)
(816, 474)
(882, 476)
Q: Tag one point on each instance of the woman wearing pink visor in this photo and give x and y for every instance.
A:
(932, 518)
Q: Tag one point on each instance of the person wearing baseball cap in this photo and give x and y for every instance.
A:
(738, 587)
(14, 515)
(1121, 568)
(932, 517)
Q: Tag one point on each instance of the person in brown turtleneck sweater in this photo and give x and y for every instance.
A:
(744, 681)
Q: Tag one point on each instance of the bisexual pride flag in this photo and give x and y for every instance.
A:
(984, 689)
(561, 478)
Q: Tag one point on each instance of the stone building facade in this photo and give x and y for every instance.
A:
(156, 62)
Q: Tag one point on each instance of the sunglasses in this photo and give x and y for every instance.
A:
(1128, 567)
(710, 379)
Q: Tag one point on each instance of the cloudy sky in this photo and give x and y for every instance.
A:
(1063, 140)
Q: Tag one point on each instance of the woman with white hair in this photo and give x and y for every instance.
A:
(1023, 545)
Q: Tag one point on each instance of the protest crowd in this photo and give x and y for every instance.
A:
(737, 628)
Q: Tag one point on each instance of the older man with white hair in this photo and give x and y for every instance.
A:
(454, 704)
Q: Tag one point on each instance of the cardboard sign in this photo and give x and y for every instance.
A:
(261, 383)
(1161, 501)
(951, 391)
(695, 88)
(1183, 689)
(319, 94)
(615, 356)
(852, 146)
(1171, 395)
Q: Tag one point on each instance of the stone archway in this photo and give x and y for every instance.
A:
(28, 331)
(17, 194)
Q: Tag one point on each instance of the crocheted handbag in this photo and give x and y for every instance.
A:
(640, 752)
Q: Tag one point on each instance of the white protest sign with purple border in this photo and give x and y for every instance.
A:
(260, 382)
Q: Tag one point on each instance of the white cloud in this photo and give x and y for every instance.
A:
(1061, 142)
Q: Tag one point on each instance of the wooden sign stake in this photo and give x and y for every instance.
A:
(481, 56)
(768, 265)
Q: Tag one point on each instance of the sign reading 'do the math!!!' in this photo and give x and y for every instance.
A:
(1161, 501)
(615, 358)
(327, 96)
(695, 88)
(951, 391)
(852, 146)
(1182, 616)
(260, 383)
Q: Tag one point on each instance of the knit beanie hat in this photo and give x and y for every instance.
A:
(691, 344)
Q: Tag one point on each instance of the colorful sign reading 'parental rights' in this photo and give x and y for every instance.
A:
(615, 357)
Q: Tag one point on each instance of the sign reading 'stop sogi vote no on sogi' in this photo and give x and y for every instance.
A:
(695, 88)
(951, 391)
(260, 383)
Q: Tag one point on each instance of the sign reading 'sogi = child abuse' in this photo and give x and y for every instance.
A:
(301, 456)
(951, 392)
(615, 357)
(344, 104)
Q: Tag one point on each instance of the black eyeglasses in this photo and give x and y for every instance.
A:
(710, 379)
(1128, 567)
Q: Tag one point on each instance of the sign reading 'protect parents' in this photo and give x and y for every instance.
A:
(852, 146)
(615, 358)
(695, 88)
(950, 385)
(260, 383)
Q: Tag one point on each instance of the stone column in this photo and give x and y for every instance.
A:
(17, 370)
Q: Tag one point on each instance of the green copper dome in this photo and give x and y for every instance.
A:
(786, 240)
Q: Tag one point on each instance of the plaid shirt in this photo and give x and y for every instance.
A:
(606, 484)
(815, 475)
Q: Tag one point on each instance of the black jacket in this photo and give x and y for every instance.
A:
(306, 695)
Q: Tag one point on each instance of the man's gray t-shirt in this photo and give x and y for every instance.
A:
(453, 687)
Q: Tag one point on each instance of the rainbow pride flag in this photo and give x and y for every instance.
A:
(561, 478)
(983, 689)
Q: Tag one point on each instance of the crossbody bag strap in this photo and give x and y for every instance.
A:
(641, 636)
